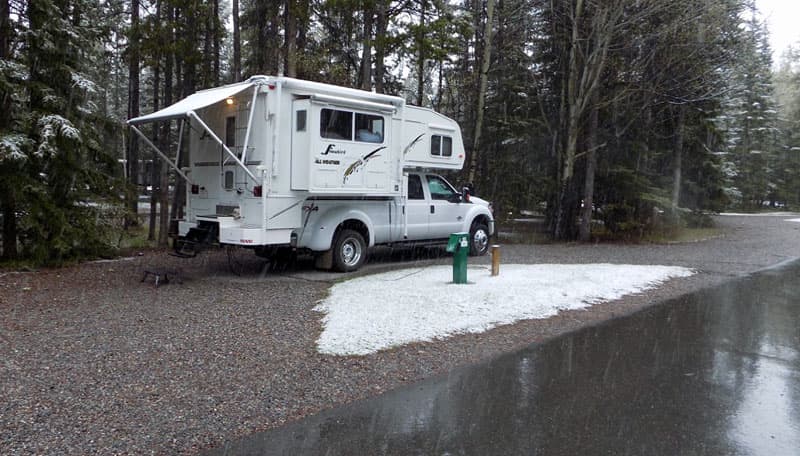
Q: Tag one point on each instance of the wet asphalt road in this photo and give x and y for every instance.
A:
(712, 373)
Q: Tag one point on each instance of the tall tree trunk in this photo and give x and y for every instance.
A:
(133, 111)
(564, 207)
(678, 158)
(290, 40)
(381, 24)
(217, 42)
(420, 38)
(301, 24)
(482, 86)
(8, 203)
(585, 231)
(189, 87)
(155, 162)
(237, 44)
(9, 209)
(163, 184)
(366, 47)
(208, 32)
(5, 31)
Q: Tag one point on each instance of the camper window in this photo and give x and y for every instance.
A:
(369, 128)
(441, 146)
(447, 146)
(228, 180)
(335, 124)
(300, 122)
(436, 145)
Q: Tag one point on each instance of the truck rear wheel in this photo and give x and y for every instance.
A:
(478, 239)
(349, 251)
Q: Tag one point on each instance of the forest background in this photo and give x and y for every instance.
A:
(614, 118)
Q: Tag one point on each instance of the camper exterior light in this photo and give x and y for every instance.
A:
(229, 101)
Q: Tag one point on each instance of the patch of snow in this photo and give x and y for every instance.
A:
(376, 312)
(113, 260)
(82, 82)
(759, 214)
(11, 147)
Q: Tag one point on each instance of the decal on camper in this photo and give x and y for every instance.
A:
(360, 162)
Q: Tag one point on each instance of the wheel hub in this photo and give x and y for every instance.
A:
(480, 240)
(351, 252)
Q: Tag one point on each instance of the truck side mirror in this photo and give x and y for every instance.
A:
(465, 193)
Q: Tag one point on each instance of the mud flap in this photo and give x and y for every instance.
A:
(324, 260)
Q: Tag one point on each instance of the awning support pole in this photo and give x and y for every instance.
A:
(250, 122)
(180, 141)
(161, 154)
(221, 143)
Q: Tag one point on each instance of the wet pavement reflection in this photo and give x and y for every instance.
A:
(712, 373)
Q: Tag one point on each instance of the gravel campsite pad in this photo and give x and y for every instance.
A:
(94, 361)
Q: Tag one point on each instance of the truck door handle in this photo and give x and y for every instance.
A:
(433, 209)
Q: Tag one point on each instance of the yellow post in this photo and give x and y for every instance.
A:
(495, 260)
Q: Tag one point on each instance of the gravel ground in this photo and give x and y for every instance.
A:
(94, 361)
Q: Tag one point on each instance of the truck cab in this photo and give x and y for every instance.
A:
(340, 232)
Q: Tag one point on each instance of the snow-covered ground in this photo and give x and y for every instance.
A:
(376, 312)
(758, 214)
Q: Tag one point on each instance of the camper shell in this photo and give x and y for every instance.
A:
(276, 161)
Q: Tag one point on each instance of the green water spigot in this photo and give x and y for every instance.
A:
(458, 245)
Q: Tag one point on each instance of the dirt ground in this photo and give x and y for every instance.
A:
(92, 360)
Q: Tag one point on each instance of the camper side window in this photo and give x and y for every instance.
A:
(335, 124)
(441, 146)
(369, 128)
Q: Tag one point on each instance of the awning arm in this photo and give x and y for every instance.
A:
(161, 154)
(221, 143)
(180, 142)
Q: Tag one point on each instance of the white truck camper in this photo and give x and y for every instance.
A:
(277, 163)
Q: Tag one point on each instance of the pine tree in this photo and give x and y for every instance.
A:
(749, 117)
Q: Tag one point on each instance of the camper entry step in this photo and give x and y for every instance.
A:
(162, 275)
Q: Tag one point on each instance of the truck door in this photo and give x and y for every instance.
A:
(417, 209)
(446, 210)
(301, 154)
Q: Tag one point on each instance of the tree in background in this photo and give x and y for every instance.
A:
(749, 119)
(59, 179)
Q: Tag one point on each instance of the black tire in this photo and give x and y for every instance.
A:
(349, 251)
(478, 239)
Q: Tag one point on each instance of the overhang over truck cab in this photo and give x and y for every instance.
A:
(268, 156)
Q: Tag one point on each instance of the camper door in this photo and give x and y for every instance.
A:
(349, 151)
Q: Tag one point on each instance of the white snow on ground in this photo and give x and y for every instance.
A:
(371, 313)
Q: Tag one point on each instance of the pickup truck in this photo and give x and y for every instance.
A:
(339, 231)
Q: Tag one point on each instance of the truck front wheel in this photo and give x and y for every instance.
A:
(349, 251)
(478, 239)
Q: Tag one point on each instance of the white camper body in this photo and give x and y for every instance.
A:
(276, 161)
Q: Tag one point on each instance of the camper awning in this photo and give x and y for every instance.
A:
(193, 102)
